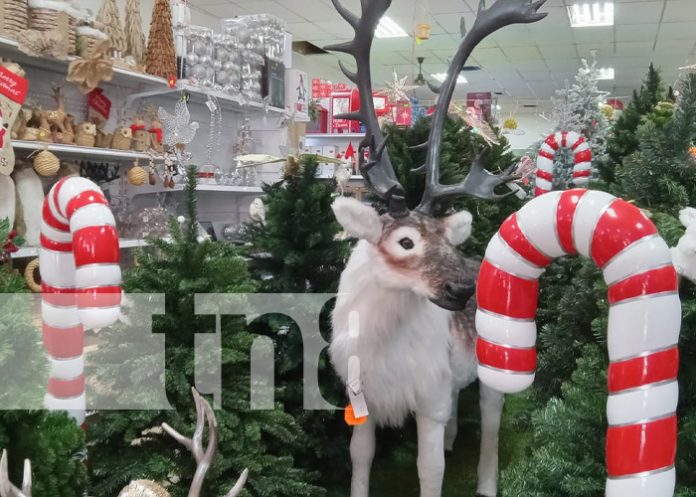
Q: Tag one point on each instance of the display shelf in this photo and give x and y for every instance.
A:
(124, 243)
(200, 95)
(9, 49)
(330, 136)
(239, 190)
(77, 152)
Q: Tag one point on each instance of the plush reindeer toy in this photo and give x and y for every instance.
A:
(403, 334)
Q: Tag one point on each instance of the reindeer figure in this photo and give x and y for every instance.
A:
(403, 334)
(7, 489)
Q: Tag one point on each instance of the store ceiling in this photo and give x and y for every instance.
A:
(525, 62)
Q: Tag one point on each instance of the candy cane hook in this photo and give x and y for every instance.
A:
(644, 322)
(81, 278)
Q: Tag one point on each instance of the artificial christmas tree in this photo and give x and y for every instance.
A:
(135, 39)
(111, 21)
(128, 445)
(623, 140)
(578, 108)
(160, 58)
(296, 251)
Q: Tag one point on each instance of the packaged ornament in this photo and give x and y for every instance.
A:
(199, 57)
(226, 64)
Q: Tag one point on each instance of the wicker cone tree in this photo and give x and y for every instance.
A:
(108, 16)
(161, 54)
(135, 39)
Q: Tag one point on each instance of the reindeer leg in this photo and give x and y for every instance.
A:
(362, 451)
(452, 425)
(491, 403)
(431, 455)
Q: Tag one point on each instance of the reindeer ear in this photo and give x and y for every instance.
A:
(458, 227)
(359, 220)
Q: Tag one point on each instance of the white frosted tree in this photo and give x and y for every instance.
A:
(578, 108)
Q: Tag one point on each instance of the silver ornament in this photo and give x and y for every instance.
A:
(191, 58)
(206, 60)
(217, 64)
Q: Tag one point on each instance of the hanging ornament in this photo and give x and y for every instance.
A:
(46, 163)
(397, 90)
(137, 176)
(178, 130)
(510, 124)
(479, 127)
(608, 111)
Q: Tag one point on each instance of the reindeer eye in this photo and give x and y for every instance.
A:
(406, 243)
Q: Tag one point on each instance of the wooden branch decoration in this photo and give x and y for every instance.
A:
(203, 456)
(7, 489)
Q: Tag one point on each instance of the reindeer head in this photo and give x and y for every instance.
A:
(416, 250)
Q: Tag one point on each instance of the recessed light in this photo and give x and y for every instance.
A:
(583, 15)
(606, 73)
(442, 76)
(387, 28)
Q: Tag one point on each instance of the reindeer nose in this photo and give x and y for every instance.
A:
(459, 291)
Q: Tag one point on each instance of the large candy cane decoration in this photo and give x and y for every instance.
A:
(644, 322)
(81, 278)
(582, 158)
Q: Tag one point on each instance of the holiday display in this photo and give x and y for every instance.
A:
(81, 280)
(418, 279)
(160, 58)
(582, 158)
(200, 69)
(109, 18)
(226, 64)
(13, 92)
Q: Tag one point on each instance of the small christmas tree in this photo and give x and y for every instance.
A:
(578, 108)
(135, 39)
(296, 251)
(623, 140)
(124, 445)
(161, 53)
(108, 16)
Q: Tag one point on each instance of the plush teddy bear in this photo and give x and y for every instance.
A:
(684, 254)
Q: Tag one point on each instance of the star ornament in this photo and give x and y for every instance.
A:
(397, 89)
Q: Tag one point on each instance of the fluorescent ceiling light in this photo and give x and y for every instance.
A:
(591, 14)
(606, 73)
(442, 76)
(387, 28)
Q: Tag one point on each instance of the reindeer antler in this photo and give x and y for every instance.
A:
(204, 457)
(7, 489)
(479, 183)
(378, 170)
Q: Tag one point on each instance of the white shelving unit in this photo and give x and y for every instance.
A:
(26, 252)
(233, 190)
(77, 152)
(335, 136)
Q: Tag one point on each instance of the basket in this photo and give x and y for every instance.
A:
(14, 17)
(51, 15)
(88, 39)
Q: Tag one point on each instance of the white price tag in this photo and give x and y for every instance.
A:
(357, 401)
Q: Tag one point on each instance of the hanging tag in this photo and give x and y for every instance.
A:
(355, 393)
(358, 404)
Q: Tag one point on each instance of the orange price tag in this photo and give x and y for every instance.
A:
(351, 420)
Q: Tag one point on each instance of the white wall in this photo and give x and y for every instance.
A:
(530, 129)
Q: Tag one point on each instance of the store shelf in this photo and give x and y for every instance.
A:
(335, 136)
(9, 50)
(355, 177)
(237, 190)
(76, 152)
(25, 252)
(200, 95)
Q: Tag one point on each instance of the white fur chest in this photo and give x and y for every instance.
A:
(403, 344)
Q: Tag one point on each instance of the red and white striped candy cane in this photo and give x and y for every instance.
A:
(644, 322)
(582, 158)
(80, 281)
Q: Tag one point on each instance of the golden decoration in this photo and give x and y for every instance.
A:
(510, 124)
(30, 278)
(423, 31)
(608, 111)
(137, 176)
(46, 163)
